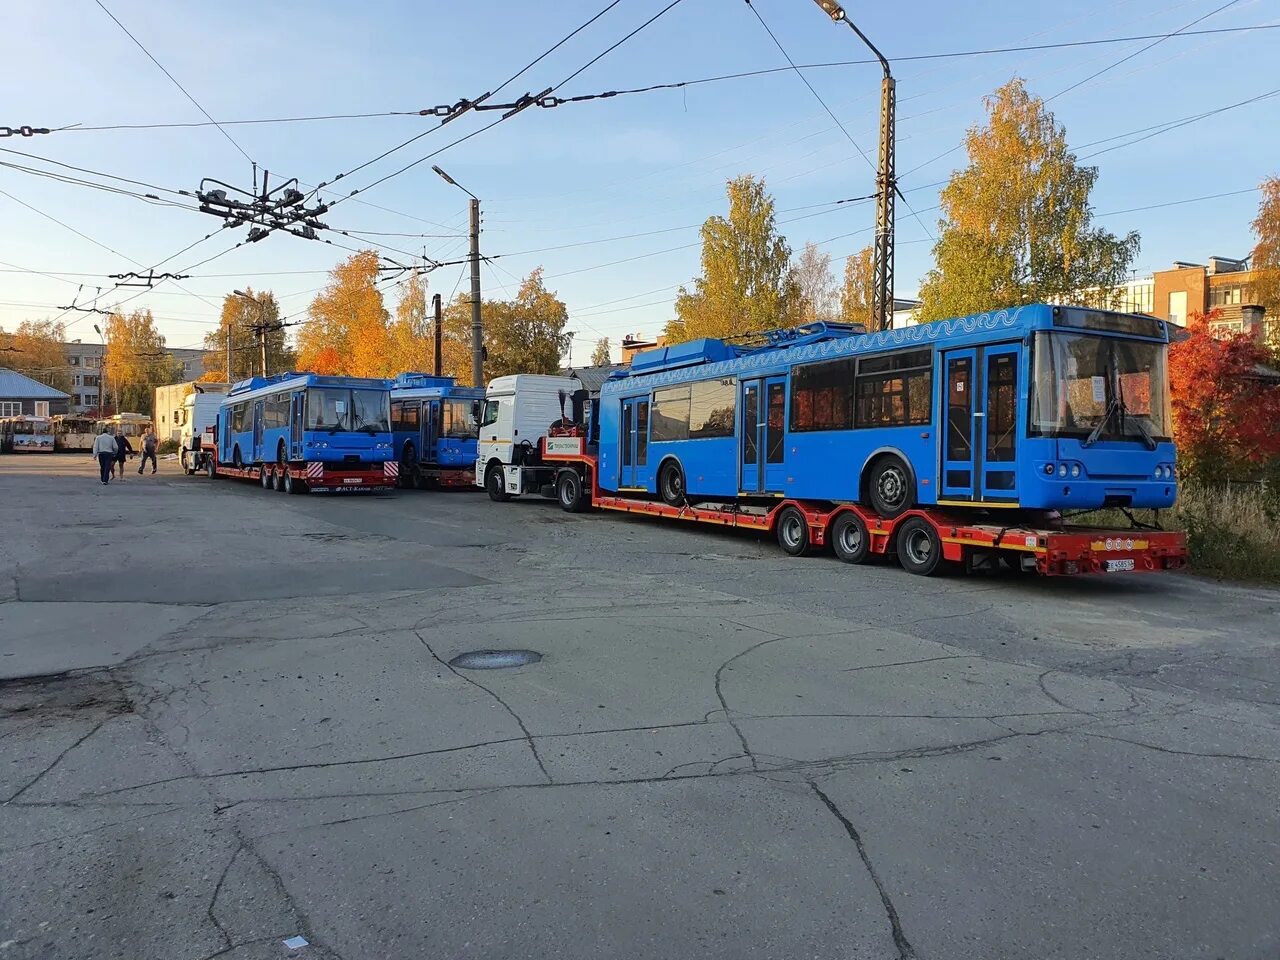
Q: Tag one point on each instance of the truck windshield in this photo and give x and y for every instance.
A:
(370, 411)
(1099, 388)
(459, 419)
(490, 412)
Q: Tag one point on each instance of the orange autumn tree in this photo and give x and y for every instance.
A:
(347, 329)
(1226, 406)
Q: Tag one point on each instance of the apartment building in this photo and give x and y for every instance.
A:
(84, 361)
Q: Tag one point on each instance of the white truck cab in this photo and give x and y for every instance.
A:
(518, 411)
(199, 412)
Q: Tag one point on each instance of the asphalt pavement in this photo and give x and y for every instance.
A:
(231, 717)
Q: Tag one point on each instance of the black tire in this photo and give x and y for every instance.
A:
(235, 457)
(792, 531)
(919, 547)
(671, 486)
(187, 468)
(850, 539)
(210, 468)
(293, 486)
(495, 485)
(266, 477)
(569, 491)
(281, 473)
(890, 488)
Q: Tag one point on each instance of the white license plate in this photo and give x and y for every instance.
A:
(1116, 566)
(357, 480)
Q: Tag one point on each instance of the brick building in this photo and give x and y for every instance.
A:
(1222, 284)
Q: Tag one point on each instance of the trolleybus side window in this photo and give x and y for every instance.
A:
(712, 406)
(776, 398)
(894, 389)
(822, 396)
(671, 413)
(642, 433)
(1002, 407)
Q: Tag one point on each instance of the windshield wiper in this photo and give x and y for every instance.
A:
(1114, 405)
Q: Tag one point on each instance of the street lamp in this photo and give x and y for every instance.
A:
(102, 371)
(886, 179)
(477, 327)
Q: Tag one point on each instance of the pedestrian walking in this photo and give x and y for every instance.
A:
(104, 448)
(149, 441)
(123, 449)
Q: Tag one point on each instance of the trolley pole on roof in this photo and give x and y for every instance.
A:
(886, 180)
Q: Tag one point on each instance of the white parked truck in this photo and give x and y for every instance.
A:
(518, 411)
(199, 413)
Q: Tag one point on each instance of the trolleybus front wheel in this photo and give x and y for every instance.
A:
(495, 485)
(919, 547)
(849, 538)
(671, 483)
(891, 488)
(793, 531)
(569, 491)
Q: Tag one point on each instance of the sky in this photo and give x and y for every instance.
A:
(605, 195)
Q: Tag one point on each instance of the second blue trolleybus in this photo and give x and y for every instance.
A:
(300, 431)
(435, 425)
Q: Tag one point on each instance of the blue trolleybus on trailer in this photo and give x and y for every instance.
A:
(1036, 407)
(435, 425)
(302, 430)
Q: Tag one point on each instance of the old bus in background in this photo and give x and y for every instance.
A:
(74, 433)
(25, 434)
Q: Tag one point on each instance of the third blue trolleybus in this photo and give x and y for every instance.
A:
(435, 423)
(966, 439)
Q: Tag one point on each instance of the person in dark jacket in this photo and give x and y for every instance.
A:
(149, 443)
(123, 449)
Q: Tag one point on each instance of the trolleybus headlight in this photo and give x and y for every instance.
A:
(1160, 473)
(1048, 469)
(1075, 470)
(1062, 469)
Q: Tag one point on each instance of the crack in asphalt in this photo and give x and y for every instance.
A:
(210, 910)
(56, 760)
(1171, 750)
(905, 950)
(533, 747)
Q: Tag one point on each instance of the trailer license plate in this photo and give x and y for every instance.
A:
(1116, 566)
(357, 480)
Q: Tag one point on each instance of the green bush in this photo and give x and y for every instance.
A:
(167, 446)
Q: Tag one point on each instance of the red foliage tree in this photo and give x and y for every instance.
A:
(1226, 412)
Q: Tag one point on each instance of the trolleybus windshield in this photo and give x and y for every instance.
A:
(369, 411)
(1104, 388)
(458, 419)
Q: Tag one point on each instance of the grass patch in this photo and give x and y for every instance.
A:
(1232, 533)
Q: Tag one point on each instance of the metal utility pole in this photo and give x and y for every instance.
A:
(438, 366)
(228, 353)
(102, 372)
(261, 327)
(477, 325)
(886, 180)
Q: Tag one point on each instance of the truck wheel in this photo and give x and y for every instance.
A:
(210, 468)
(495, 485)
(266, 477)
(187, 468)
(293, 486)
(281, 472)
(919, 547)
(671, 483)
(849, 538)
(569, 491)
(891, 488)
(792, 530)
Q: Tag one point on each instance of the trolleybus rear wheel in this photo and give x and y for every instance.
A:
(891, 487)
(671, 483)
(849, 538)
(919, 547)
(569, 491)
(494, 484)
(793, 531)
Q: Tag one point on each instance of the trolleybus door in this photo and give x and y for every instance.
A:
(432, 430)
(958, 403)
(296, 425)
(997, 433)
(634, 437)
(257, 431)
(761, 440)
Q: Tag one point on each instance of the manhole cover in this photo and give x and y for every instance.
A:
(494, 659)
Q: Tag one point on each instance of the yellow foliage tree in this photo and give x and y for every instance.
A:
(859, 285)
(1266, 259)
(347, 330)
(410, 344)
(136, 362)
(1017, 226)
(239, 317)
(35, 350)
(746, 284)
